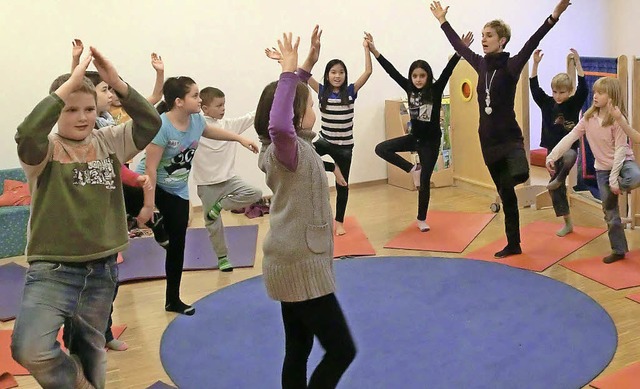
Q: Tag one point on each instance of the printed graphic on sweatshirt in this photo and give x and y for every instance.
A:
(566, 124)
(99, 172)
(178, 167)
(419, 110)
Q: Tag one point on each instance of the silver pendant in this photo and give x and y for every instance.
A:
(488, 110)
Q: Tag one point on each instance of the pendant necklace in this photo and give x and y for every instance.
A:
(487, 99)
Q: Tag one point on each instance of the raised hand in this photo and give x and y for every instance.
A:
(560, 8)
(273, 53)
(576, 60)
(372, 47)
(574, 55)
(439, 12)
(537, 56)
(77, 49)
(76, 52)
(108, 72)
(157, 63)
(314, 48)
(467, 38)
(289, 52)
(76, 78)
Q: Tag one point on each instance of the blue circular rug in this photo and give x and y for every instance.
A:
(417, 322)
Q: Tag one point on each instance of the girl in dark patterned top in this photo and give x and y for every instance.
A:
(425, 98)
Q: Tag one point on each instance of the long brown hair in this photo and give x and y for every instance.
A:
(610, 86)
(263, 111)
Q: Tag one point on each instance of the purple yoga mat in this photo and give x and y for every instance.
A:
(145, 258)
(161, 385)
(11, 287)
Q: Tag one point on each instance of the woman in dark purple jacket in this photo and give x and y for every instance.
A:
(500, 135)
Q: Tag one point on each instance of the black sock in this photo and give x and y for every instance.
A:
(180, 307)
(508, 250)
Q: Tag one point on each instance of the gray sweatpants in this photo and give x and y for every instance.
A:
(232, 194)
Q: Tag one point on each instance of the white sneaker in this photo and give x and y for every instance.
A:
(423, 226)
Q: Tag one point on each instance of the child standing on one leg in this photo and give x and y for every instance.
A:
(337, 98)
(298, 249)
(616, 169)
(104, 100)
(560, 114)
(167, 162)
(213, 172)
(73, 238)
(425, 99)
(501, 138)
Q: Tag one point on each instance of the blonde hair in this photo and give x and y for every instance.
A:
(86, 86)
(561, 81)
(502, 29)
(610, 86)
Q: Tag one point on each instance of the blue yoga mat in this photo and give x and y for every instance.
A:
(145, 258)
(11, 287)
(417, 323)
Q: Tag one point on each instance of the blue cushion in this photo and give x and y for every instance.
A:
(13, 219)
(16, 174)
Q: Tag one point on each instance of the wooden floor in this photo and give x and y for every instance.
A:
(383, 211)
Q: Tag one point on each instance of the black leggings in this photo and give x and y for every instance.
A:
(175, 212)
(428, 151)
(506, 174)
(342, 156)
(321, 317)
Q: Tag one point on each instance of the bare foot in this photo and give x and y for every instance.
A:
(340, 229)
(340, 179)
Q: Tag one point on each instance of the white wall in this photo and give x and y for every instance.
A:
(220, 43)
(624, 30)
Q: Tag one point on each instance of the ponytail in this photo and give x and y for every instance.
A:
(172, 89)
(162, 107)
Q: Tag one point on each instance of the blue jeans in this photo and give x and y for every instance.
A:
(55, 293)
(629, 179)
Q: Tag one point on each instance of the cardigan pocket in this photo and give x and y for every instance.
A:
(318, 238)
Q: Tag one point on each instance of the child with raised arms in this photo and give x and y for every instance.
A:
(425, 99)
(298, 249)
(77, 224)
(337, 98)
(560, 113)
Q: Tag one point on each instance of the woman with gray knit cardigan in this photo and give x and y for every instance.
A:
(298, 249)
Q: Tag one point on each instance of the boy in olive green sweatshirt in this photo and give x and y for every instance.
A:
(77, 224)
